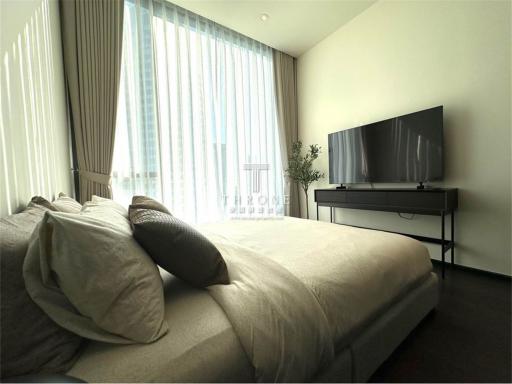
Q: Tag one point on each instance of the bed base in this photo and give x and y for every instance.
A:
(359, 360)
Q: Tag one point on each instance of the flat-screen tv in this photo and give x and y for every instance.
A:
(406, 148)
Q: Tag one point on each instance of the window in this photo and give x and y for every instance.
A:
(196, 125)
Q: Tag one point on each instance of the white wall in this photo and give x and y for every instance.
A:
(34, 150)
(402, 56)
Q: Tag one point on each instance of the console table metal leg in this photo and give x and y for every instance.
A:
(442, 244)
(453, 238)
(317, 212)
(331, 214)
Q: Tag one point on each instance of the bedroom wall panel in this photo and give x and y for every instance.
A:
(402, 56)
(34, 140)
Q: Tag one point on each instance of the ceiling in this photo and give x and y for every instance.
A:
(292, 26)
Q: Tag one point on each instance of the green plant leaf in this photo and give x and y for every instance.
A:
(300, 166)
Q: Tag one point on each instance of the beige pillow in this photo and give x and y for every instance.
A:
(108, 203)
(64, 203)
(91, 277)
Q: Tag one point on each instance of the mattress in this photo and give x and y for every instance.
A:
(201, 346)
(355, 274)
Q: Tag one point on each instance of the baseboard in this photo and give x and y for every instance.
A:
(472, 269)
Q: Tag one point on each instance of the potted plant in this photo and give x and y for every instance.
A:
(300, 167)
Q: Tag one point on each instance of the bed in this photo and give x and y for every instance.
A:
(308, 301)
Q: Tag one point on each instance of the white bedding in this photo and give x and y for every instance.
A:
(200, 346)
(345, 275)
(278, 321)
(354, 273)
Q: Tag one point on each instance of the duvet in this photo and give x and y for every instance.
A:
(300, 289)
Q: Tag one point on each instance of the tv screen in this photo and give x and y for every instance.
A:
(406, 148)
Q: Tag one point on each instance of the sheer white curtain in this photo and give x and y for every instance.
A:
(197, 125)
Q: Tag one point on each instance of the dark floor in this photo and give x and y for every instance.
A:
(466, 339)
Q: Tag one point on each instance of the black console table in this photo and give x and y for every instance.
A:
(429, 201)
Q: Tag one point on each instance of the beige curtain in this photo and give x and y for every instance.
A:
(92, 40)
(285, 78)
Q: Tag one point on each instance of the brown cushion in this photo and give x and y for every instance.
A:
(41, 201)
(148, 203)
(64, 203)
(30, 341)
(178, 248)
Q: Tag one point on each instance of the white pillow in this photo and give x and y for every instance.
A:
(91, 277)
(109, 204)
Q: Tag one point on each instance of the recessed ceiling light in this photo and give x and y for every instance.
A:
(264, 17)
